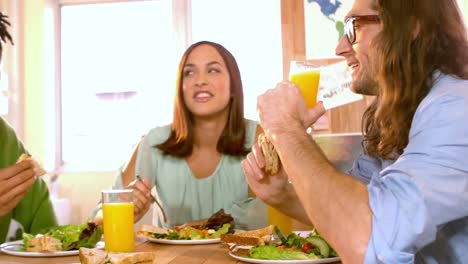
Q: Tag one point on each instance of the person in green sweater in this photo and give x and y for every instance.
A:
(23, 196)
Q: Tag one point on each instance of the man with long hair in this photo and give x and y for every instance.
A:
(405, 198)
(23, 196)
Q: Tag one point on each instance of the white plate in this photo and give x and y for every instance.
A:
(14, 248)
(305, 261)
(186, 242)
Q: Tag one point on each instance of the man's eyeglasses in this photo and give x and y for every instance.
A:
(350, 25)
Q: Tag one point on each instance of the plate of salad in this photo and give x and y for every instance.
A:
(56, 242)
(189, 236)
(284, 261)
(297, 248)
(16, 248)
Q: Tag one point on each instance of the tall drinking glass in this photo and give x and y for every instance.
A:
(117, 207)
(282, 221)
(306, 76)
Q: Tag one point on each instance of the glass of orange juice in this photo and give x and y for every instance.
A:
(117, 209)
(282, 221)
(306, 76)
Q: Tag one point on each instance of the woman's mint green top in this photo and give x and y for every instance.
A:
(184, 197)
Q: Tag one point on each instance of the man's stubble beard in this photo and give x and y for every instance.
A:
(365, 82)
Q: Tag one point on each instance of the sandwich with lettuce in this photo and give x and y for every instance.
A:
(270, 244)
(99, 256)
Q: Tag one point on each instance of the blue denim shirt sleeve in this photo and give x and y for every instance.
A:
(426, 187)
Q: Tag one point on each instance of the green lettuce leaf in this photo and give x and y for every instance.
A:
(26, 238)
(223, 230)
(274, 253)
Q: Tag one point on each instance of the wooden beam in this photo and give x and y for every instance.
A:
(293, 32)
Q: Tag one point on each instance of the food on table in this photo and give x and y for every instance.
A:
(99, 256)
(241, 243)
(63, 238)
(219, 223)
(186, 233)
(150, 231)
(256, 244)
(217, 220)
(272, 162)
(44, 243)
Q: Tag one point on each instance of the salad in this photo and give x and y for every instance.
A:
(294, 247)
(192, 233)
(63, 238)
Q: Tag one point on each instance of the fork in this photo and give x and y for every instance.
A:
(154, 200)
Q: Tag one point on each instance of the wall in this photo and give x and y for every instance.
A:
(83, 191)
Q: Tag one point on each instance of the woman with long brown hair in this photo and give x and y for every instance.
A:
(405, 198)
(195, 163)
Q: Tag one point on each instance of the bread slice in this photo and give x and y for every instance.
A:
(240, 243)
(242, 240)
(262, 232)
(131, 258)
(99, 256)
(272, 162)
(92, 256)
(255, 237)
(23, 156)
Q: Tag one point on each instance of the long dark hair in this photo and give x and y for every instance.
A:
(231, 142)
(418, 38)
(4, 35)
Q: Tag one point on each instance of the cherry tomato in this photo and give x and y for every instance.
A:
(307, 247)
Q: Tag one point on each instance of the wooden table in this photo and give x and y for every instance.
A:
(186, 254)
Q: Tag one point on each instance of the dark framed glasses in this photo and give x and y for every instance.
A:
(350, 25)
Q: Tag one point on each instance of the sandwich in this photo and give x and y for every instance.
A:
(148, 231)
(39, 171)
(23, 156)
(272, 161)
(92, 256)
(241, 243)
(99, 256)
(44, 243)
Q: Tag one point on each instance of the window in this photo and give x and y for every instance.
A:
(119, 59)
(117, 75)
(463, 4)
(251, 31)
